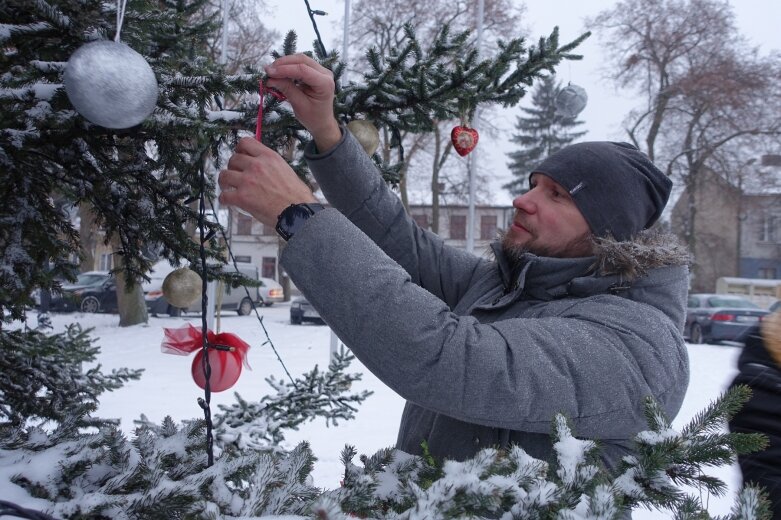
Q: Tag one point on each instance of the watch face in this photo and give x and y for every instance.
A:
(293, 217)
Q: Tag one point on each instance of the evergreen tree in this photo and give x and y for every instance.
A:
(139, 183)
(542, 132)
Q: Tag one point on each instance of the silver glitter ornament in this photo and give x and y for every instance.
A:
(571, 101)
(366, 134)
(182, 287)
(110, 84)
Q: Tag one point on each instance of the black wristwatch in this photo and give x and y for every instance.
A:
(293, 217)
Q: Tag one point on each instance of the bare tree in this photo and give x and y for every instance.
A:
(249, 40)
(705, 89)
(380, 24)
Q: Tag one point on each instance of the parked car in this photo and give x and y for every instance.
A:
(720, 317)
(270, 292)
(237, 298)
(93, 291)
(301, 310)
(775, 307)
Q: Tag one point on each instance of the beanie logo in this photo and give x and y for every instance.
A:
(577, 188)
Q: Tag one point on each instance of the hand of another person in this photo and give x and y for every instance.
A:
(309, 87)
(259, 181)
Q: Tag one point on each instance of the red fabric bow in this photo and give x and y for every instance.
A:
(227, 354)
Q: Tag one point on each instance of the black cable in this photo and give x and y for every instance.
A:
(252, 302)
(204, 403)
(11, 509)
(314, 24)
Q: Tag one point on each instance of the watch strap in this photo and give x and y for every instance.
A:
(293, 218)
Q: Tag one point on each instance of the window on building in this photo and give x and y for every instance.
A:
(106, 262)
(487, 227)
(458, 227)
(243, 259)
(768, 225)
(269, 230)
(766, 273)
(243, 225)
(269, 267)
(421, 219)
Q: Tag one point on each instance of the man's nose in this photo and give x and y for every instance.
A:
(525, 202)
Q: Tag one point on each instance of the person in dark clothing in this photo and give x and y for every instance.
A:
(760, 369)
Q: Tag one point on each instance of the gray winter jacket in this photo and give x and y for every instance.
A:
(482, 362)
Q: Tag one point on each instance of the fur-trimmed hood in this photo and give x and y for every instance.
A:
(653, 268)
(633, 259)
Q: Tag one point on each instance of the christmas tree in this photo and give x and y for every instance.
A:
(139, 183)
(543, 131)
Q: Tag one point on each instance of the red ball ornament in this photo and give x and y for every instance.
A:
(227, 353)
(464, 139)
(225, 369)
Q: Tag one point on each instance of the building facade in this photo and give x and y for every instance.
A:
(736, 233)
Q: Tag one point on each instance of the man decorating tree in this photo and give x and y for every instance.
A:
(580, 312)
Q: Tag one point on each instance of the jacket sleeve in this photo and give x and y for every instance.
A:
(353, 185)
(597, 367)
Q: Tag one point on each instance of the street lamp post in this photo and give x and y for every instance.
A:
(472, 164)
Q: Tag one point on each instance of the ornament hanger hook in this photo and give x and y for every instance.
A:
(121, 5)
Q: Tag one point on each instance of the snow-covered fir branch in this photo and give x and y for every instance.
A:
(260, 425)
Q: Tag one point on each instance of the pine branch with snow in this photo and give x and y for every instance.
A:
(260, 425)
(43, 380)
(512, 484)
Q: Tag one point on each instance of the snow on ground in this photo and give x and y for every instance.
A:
(167, 388)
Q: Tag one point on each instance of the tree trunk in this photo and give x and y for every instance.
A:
(131, 304)
(87, 235)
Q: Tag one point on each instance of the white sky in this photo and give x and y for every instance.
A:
(758, 20)
(167, 388)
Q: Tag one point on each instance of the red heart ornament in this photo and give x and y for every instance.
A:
(464, 139)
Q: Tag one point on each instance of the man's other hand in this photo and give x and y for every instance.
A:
(259, 181)
(309, 87)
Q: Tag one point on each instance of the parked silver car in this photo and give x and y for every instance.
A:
(720, 317)
(270, 292)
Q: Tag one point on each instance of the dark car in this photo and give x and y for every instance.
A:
(93, 291)
(720, 317)
(301, 311)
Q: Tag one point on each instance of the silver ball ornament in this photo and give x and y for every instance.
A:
(182, 287)
(571, 100)
(366, 134)
(110, 84)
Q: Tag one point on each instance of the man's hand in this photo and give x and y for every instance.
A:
(309, 87)
(260, 182)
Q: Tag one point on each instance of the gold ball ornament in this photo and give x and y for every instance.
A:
(182, 287)
(366, 134)
(771, 335)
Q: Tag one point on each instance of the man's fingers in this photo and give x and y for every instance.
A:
(240, 162)
(229, 180)
(318, 79)
(293, 94)
(298, 59)
(251, 147)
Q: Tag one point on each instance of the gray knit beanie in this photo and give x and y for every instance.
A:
(615, 186)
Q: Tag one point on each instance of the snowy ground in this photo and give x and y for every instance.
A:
(166, 388)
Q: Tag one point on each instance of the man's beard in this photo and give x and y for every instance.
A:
(577, 247)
